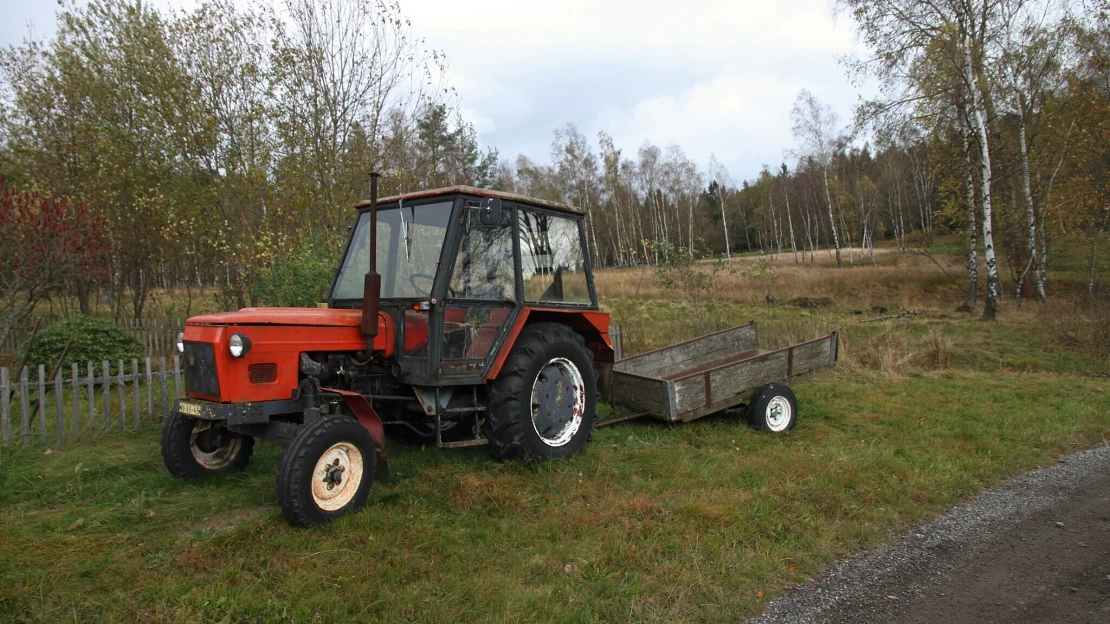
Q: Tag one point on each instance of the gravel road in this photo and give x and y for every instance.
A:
(1035, 550)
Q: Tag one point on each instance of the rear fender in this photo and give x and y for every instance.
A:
(592, 325)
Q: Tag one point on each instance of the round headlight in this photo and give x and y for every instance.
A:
(181, 342)
(238, 345)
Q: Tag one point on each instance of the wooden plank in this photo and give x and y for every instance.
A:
(107, 388)
(149, 390)
(42, 403)
(90, 395)
(162, 377)
(674, 359)
(135, 389)
(121, 386)
(25, 408)
(5, 408)
(644, 394)
(812, 356)
(76, 402)
(59, 405)
(176, 377)
(728, 383)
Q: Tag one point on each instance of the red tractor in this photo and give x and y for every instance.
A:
(458, 316)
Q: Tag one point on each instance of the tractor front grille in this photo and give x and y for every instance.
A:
(262, 373)
(200, 368)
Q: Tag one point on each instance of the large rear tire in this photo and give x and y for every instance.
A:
(542, 402)
(327, 471)
(193, 448)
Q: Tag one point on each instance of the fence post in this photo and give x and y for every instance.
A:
(107, 385)
(76, 402)
(92, 400)
(5, 411)
(135, 388)
(42, 403)
(149, 391)
(162, 376)
(59, 406)
(122, 388)
(177, 377)
(25, 408)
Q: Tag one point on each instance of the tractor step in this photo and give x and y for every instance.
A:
(465, 443)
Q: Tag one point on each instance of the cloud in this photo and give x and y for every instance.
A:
(711, 77)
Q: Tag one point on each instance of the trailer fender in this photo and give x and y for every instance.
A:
(366, 415)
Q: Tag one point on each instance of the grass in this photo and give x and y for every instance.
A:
(701, 522)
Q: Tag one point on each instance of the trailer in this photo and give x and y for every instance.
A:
(718, 371)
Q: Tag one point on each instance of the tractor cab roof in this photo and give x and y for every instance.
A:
(470, 190)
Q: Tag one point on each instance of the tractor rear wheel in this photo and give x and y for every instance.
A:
(542, 402)
(193, 448)
(327, 471)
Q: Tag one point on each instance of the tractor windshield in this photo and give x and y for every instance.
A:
(410, 239)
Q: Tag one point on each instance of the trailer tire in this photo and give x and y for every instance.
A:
(525, 421)
(327, 471)
(193, 448)
(773, 408)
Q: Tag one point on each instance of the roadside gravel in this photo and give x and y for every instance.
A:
(1036, 549)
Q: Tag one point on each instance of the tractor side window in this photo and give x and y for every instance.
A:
(484, 265)
(551, 260)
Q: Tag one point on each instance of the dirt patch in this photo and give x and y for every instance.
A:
(231, 519)
(1036, 550)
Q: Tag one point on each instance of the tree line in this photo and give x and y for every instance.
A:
(211, 148)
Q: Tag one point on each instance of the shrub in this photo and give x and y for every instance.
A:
(299, 279)
(94, 340)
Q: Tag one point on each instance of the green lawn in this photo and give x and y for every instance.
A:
(701, 522)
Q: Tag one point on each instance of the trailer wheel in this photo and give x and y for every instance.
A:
(327, 471)
(773, 408)
(542, 403)
(193, 448)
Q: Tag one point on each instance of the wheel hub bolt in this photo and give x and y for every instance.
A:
(333, 476)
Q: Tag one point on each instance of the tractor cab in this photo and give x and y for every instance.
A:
(459, 267)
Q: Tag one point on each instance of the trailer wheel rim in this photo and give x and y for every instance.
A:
(558, 402)
(207, 449)
(778, 413)
(337, 476)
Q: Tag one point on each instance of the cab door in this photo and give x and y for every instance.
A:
(481, 300)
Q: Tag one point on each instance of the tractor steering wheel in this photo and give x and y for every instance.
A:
(417, 289)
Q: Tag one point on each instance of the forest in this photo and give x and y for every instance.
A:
(222, 149)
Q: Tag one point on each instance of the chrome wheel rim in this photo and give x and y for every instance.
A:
(206, 447)
(337, 476)
(558, 402)
(778, 413)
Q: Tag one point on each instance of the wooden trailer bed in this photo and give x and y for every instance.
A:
(717, 371)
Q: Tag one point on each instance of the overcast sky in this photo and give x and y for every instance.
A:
(714, 77)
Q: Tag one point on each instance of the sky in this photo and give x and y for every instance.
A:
(716, 78)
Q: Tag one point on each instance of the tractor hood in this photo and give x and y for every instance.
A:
(302, 317)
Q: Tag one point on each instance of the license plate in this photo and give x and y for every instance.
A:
(189, 409)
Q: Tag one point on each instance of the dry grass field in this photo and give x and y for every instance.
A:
(701, 522)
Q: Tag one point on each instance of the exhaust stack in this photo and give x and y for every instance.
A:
(372, 285)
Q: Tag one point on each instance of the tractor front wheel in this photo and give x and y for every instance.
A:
(193, 448)
(542, 402)
(327, 471)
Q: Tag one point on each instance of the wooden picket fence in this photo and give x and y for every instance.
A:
(158, 336)
(63, 409)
